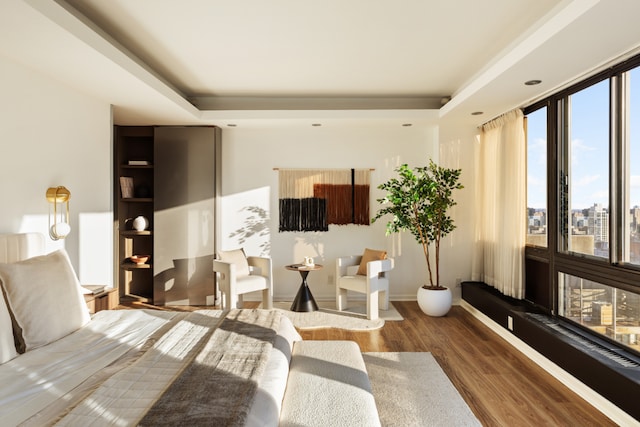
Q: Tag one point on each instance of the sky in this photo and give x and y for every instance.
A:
(589, 148)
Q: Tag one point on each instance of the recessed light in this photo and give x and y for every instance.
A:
(407, 124)
(477, 113)
(532, 82)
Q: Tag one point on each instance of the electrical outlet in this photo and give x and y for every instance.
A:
(510, 323)
(329, 279)
(458, 282)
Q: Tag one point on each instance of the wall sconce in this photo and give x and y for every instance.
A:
(59, 226)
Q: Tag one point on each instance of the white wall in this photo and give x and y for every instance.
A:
(250, 199)
(52, 135)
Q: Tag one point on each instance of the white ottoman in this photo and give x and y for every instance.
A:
(328, 385)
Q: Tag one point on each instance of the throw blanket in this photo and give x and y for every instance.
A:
(218, 387)
(201, 368)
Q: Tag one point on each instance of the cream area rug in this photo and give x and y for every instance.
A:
(353, 318)
(411, 389)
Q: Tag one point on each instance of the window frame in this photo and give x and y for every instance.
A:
(612, 271)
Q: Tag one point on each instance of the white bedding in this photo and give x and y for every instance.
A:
(112, 369)
(37, 385)
(37, 378)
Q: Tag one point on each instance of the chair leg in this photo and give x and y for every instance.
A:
(341, 299)
(227, 300)
(267, 299)
(384, 300)
(232, 301)
(372, 305)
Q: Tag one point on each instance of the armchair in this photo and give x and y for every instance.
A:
(374, 284)
(238, 275)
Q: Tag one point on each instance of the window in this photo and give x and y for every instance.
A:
(606, 310)
(592, 131)
(537, 177)
(631, 199)
(586, 168)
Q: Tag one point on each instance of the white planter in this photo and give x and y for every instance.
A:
(434, 302)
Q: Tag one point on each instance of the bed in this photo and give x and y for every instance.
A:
(61, 366)
(127, 367)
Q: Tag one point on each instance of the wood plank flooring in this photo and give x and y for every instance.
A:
(501, 386)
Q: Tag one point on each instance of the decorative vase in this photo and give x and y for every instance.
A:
(434, 302)
(140, 223)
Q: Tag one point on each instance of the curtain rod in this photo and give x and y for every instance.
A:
(335, 169)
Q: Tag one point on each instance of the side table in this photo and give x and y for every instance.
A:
(304, 300)
(105, 300)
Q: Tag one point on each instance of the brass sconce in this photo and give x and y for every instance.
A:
(59, 226)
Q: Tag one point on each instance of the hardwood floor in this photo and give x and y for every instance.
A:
(501, 386)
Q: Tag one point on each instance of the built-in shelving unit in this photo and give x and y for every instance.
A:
(134, 143)
(169, 175)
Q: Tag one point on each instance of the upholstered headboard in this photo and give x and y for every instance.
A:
(16, 247)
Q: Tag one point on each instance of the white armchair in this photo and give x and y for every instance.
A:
(239, 275)
(375, 284)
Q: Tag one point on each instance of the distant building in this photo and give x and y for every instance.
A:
(635, 219)
(578, 219)
(598, 225)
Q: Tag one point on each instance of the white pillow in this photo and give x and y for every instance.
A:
(7, 346)
(239, 259)
(45, 298)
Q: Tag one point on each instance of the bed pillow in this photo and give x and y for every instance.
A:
(238, 258)
(370, 255)
(44, 298)
(7, 346)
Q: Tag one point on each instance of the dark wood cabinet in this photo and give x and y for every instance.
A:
(174, 173)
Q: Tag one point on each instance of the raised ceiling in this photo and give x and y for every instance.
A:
(256, 61)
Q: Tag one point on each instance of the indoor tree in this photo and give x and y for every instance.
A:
(418, 201)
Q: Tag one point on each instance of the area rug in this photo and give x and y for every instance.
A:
(411, 389)
(353, 318)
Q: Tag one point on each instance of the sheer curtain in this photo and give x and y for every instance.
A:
(500, 221)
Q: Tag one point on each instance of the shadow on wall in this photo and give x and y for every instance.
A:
(255, 225)
(191, 281)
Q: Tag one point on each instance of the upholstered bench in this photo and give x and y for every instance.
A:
(328, 385)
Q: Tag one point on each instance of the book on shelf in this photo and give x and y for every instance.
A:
(126, 187)
(138, 162)
(94, 289)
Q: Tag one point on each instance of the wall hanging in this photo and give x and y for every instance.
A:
(311, 199)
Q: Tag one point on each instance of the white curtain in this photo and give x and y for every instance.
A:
(500, 226)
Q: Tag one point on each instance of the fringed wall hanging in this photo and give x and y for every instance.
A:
(311, 199)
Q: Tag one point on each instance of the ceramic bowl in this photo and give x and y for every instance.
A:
(139, 259)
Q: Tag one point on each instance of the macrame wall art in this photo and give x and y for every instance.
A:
(311, 199)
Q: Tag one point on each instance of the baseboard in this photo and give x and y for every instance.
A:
(605, 406)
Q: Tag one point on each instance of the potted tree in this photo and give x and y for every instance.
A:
(419, 201)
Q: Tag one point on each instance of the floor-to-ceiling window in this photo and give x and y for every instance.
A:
(590, 140)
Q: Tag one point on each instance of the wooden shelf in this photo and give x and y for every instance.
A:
(137, 200)
(134, 143)
(133, 266)
(135, 297)
(134, 233)
(136, 167)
